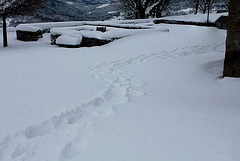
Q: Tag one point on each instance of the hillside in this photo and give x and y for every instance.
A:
(69, 10)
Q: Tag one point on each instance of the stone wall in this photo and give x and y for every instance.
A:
(86, 41)
(232, 55)
(29, 36)
(221, 23)
(89, 42)
(184, 22)
(54, 38)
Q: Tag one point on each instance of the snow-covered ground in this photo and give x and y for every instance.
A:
(103, 5)
(154, 96)
(196, 17)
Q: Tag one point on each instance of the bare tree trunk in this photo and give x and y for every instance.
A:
(141, 10)
(232, 55)
(159, 14)
(204, 11)
(208, 13)
(142, 14)
(5, 42)
(196, 6)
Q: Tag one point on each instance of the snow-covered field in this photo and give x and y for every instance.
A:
(154, 96)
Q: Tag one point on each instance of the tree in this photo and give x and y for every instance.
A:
(232, 55)
(195, 4)
(17, 7)
(158, 9)
(205, 5)
(141, 9)
(209, 5)
(223, 5)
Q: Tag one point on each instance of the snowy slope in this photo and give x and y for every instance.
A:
(152, 96)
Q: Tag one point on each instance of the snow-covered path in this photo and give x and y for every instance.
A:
(157, 96)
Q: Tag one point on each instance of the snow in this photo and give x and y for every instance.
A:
(112, 12)
(90, 31)
(103, 5)
(70, 30)
(81, 24)
(49, 25)
(149, 96)
(124, 24)
(9, 29)
(69, 40)
(151, 7)
(29, 28)
(187, 10)
(69, 2)
(196, 17)
(135, 24)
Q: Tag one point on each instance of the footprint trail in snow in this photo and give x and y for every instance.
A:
(65, 136)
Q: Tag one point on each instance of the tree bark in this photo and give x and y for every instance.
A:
(232, 55)
(196, 6)
(5, 42)
(208, 14)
